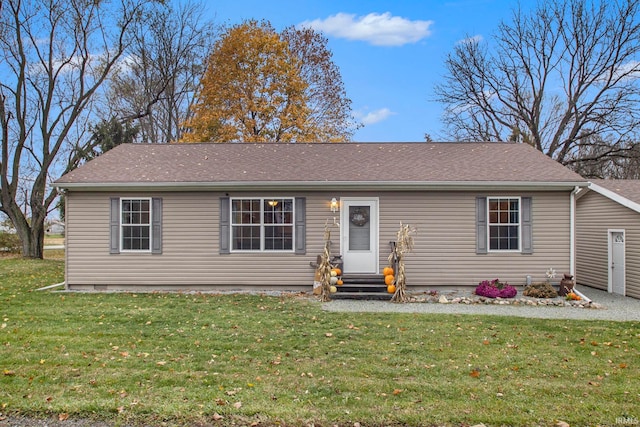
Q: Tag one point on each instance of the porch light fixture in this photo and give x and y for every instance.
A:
(272, 203)
(334, 205)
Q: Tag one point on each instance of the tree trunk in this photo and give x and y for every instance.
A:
(33, 241)
(31, 235)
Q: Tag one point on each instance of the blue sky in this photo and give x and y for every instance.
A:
(390, 53)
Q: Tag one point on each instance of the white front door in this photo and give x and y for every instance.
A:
(616, 262)
(359, 234)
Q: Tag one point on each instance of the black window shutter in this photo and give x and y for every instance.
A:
(527, 226)
(481, 225)
(156, 225)
(114, 226)
(225, 226)
(301, 227)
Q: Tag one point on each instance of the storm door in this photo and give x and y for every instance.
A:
(616, 262)
(359, 234)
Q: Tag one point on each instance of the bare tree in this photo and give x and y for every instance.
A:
(623, 159)
(55, 55)
(156, 83)
(554, 77)
(330, 108)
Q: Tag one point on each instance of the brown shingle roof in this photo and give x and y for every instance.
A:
(627, 188)
(320, 163)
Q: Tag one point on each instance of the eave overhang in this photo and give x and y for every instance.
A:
(323, 186)
(615, 197)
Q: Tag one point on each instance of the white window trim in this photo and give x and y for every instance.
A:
(121, 225)
(502, 251)
(262, 226)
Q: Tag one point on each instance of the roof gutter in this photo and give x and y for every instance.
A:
(323, 185)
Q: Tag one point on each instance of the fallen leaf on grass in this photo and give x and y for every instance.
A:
(328, 335)
(8, 373)
(474, 373)
(397, 391)
(237, 405)
(63, 417)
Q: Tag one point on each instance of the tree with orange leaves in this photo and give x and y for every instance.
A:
(265, 86)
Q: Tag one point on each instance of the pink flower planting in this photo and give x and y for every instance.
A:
(495, 289)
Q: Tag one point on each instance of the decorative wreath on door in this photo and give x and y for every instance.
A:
(359, 217)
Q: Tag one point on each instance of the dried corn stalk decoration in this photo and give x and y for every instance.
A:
(325, 266)
(404, 245)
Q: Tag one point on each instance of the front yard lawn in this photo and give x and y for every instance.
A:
(188, 359)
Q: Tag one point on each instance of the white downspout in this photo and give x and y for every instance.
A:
(572, 256)
(572, 232)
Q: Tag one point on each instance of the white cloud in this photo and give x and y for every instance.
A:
(374, 116)
(472, 39)
(377, 29)
(628, 71)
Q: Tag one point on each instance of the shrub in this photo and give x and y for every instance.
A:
(10, 242)
(540, 290)
(495, 289)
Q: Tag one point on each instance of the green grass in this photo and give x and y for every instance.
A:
(179, 359)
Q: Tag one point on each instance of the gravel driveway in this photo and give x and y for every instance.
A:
(614, 307)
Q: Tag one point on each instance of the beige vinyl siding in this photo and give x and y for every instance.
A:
(445, 245)
(444, 253)
(596, 214)
(190, 257)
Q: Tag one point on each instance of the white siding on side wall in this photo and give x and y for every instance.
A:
(444, 253)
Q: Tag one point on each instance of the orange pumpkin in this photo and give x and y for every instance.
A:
(387, 271)
(338, 271)
(389, 279)
(573, 296)
(391, 289)
(340, 282)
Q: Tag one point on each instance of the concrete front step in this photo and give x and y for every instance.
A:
(362, 286)
(362, 295)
